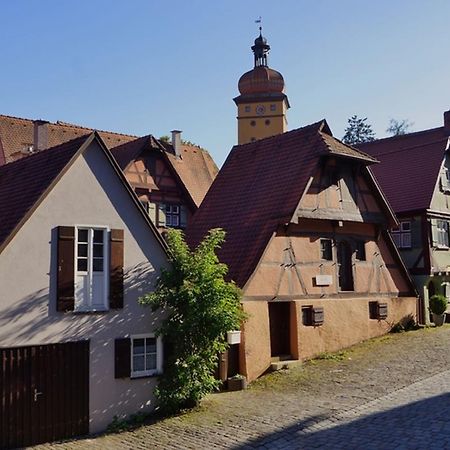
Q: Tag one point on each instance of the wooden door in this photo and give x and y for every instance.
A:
(44, 393)
(279, 322)
(344, 256)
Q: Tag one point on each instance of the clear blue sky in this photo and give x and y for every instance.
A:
(145, 67)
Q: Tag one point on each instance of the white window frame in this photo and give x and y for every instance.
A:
(442, 234)
(87, 306)
(402, 235)
(159, 356)
(173, 211)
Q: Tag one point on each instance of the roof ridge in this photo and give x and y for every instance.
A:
(73, 125)
(398, 150)
(67, 124)
(402, 136)
(275, 136)
(50, 149)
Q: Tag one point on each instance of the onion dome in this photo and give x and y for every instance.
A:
(261, 80)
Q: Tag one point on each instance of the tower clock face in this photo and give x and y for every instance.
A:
(260, 109)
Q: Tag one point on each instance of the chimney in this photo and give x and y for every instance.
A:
(447, 121)
(40, 137)
(176, 142)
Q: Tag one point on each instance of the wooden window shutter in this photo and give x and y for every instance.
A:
(152, 212)
(434, 233)
(183, 216)
(161, 215)
(122, 358)
(65, 300)
(116, 270)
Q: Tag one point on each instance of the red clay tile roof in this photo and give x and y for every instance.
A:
(258, 189)
(17, 134)
(196, 169)
(409, 167)
(22, 182)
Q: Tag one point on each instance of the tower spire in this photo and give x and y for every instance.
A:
(261, 47)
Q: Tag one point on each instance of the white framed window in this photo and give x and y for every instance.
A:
(442, 229)
(146, 355)
(91, 268)
(401, 235)
(172, 216)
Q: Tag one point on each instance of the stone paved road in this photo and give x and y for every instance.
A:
(389, 393)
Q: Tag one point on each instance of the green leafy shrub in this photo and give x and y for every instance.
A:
(201, 307)
(438, 304)
(407, 323)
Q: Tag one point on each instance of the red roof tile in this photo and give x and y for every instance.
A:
(17, 134)
(258, 188)
(23, 182)
(409, 167)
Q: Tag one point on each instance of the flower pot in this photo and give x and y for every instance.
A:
(234, 337)
(438, 319)
(236, 384)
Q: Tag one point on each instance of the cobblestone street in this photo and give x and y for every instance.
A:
(388, 393)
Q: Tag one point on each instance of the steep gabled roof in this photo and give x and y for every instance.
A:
(195, 169)
(409, 167)
(259, 188)
(26, 182)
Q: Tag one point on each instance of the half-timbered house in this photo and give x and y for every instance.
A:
(170, 178)
(307, 242)
(414, 173)
(77, 250)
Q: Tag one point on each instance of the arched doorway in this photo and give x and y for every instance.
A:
(345, 268)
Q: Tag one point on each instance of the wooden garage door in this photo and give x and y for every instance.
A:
(44, 393)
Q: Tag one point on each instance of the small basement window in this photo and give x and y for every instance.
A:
(307, 315)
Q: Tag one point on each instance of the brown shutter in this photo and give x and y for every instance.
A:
(161, 215)
(65, 273)
(116, 270)
(122, 358)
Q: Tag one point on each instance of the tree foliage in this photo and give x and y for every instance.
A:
(200, 308)
(358, 131)
(398, 127)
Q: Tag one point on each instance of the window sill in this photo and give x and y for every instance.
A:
(148, 375)
(441, 247)
(91, 311)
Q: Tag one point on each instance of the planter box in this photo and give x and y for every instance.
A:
(234, 337)
(438, 319)
(236, 384)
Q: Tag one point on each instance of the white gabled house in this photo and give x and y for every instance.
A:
(76, 251)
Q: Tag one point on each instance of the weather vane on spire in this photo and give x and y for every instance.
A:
(259, 20)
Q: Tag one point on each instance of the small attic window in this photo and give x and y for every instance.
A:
(247, 108)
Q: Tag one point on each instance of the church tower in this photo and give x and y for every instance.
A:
(262, 103)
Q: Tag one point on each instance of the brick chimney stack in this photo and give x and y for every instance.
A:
(40, 135)
(176, 142)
